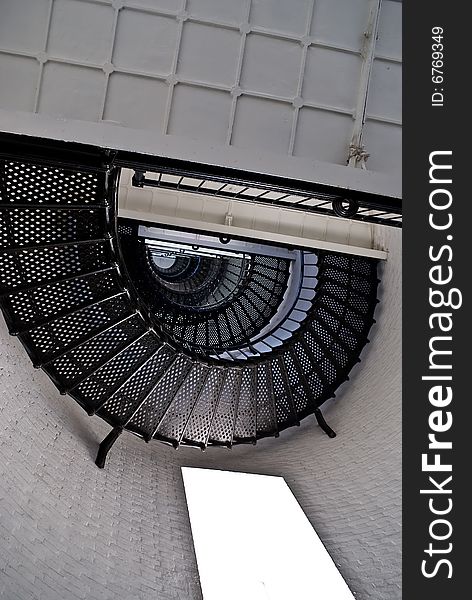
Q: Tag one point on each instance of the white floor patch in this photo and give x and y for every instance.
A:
(253, 540)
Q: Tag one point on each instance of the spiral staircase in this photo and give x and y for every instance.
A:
(192, 348)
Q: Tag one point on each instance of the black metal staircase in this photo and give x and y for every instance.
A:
(169, 354)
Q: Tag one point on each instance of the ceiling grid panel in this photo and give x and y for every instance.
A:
(261, 83)
(382, 131)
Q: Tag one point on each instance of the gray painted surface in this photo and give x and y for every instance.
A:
(266, 85)
(69, 531)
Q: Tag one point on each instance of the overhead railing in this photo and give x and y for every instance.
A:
(215, 180)
(264, 189)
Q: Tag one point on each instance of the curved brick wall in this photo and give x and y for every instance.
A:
(70, 531)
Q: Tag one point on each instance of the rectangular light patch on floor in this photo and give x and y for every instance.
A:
(253, 541)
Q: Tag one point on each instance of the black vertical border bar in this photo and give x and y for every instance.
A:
(428, 129)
